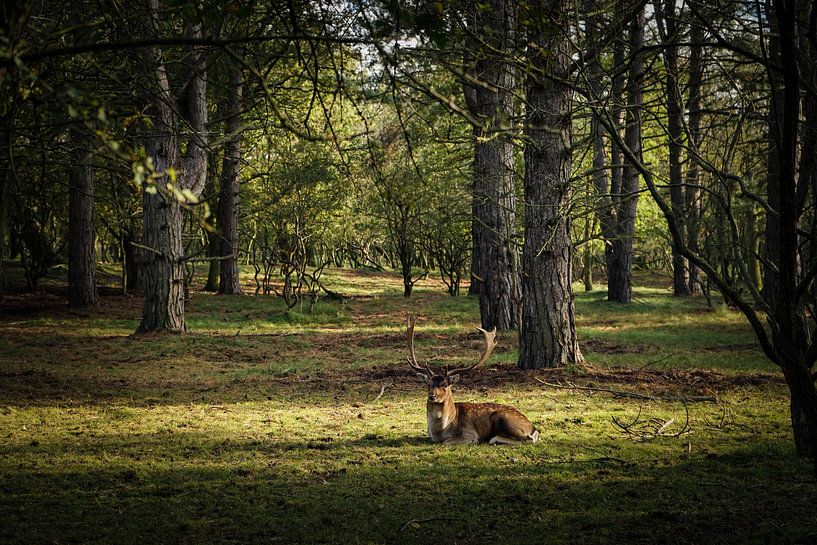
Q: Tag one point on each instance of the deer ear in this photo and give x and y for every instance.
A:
(425, 377)
(453, 378)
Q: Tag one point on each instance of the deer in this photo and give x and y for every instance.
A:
(453, 423)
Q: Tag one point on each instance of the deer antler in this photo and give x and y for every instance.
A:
(412, 359)
(490, 343)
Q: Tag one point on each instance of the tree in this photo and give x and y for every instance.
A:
(548, 334)
(163, 255)
(489, 92)
(230, 175)
(82, 290)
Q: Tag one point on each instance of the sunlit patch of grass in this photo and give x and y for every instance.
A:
(262, 425)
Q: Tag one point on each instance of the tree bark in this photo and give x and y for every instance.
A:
(548, 333)
(82, 290)
(620, 256)
(163, 267)
(228, 199)
(495, 257)
(666, 15)
(692, 194)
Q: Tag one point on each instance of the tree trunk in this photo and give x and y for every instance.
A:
(213, 250)
(548, 333)
(791, 335)
(666, 14)
(228, 199)
(82, 291)
(620, 279)
(495, 257)
(692, 193)
(163, 268)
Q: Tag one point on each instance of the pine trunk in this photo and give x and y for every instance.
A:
(163, 274)
(692, 193)
(82, 290)
(228, 200)
(619, 283)
(495, 259)
(548, 333)
(162, 267)
(680, 271)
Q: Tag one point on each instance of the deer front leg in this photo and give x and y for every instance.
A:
(465, 437)
(500, 440)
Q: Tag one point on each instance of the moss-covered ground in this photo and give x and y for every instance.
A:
(266, 426)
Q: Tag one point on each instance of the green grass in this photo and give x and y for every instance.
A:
(265, 426)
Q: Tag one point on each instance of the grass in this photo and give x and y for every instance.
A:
(265, 426)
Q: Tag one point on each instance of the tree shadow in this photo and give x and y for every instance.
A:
(393, 490)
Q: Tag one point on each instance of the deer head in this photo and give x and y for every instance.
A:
(439, 385)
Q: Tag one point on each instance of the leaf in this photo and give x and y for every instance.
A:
(191, 198)
(72, 112)
(151, 189)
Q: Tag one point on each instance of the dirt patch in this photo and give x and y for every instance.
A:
(601, 346)
(673, 380)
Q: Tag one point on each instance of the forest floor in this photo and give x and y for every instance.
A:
(266, 426)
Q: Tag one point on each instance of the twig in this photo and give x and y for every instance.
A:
(205, 259)
(633, 395)
(147, 248)
(382, 390)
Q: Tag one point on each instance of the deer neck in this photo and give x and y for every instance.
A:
(441, 416)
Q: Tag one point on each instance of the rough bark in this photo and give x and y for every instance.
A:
(548, 333)
(163, 267)
(495, 256)
(692, 194)
(228, 197)
(791, 335)
(82, 290)
(620, 256)
(666, 15)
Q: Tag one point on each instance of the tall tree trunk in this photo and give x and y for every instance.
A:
(667, 20)
(791, 335)
(5, 192)
(228, 199)
(548, 333)
(605, 208)
(692, 193)
(82, 291)
(620, 276)
(163, 268)
(495, 256)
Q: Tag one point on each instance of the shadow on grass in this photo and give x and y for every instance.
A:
(396, 490)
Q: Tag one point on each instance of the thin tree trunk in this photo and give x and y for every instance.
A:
(228, 200)
(82, 290)
(692, 193)
(666, 15)
(620, 280)
(548, 333)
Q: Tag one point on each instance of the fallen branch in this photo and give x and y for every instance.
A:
(382, 390)
(632, 395)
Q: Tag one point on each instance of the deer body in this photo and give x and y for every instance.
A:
(458, 423)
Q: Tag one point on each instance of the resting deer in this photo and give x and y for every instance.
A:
(457, 423)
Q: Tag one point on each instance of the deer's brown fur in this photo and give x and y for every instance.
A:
(457, 423)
